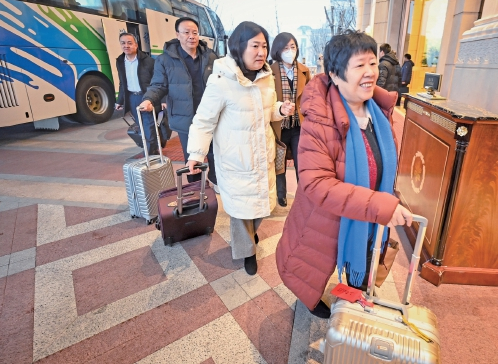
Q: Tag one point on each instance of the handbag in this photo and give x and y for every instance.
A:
(280, 153)
(386, 261)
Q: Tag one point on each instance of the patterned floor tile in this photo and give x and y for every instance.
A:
(76, 215)
(16, 317)
(102, 283)
(267, 321)
(55, 310)
(221, 340)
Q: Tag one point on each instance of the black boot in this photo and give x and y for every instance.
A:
(321, 310)
(251, 265)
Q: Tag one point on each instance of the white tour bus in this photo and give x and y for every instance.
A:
(58, 57)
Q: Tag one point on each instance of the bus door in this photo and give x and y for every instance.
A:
(14, 102)
(112, 29)
(161, 30)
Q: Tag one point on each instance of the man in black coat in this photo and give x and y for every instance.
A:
(406, 76)
(181, 74)
(389, 69)
(135, 70)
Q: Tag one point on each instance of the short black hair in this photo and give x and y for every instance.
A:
(385, 47)
(279, 43)
(408, 56)
(130, 34)
(182, 19)
(340, 48)
(237, 43)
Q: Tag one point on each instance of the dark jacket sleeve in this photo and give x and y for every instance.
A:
(383, 74)
(149, 69)
(159, 85)
(407, 73)
(121, 94)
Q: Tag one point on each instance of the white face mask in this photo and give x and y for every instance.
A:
(288, 56)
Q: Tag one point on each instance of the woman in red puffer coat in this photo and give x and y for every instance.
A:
(347, 164)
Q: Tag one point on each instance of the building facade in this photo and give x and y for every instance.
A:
(455, 38)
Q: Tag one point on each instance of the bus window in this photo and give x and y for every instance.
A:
(157, 5)
(123, 9)
(89, 6)
(206, 29)
(220, 31)
(181, 13)
(95, 5)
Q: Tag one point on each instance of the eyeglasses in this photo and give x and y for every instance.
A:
(194, 34)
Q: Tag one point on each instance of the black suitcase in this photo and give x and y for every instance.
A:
(135, 133)
(188, 211)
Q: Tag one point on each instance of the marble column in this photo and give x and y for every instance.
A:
(475, 72)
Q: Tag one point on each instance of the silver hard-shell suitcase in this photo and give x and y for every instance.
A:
(358, 335)
(146, 177)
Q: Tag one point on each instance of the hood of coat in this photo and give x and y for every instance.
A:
(227, 67)
(172, 45)
(408, 62)
(321, 103)
(391, 58)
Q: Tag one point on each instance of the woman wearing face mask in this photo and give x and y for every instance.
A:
(290, 79)
(235, 112)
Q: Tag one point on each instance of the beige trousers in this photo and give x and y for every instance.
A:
(242, 237)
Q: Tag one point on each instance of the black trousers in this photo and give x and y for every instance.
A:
(291, 139)
(210, 157)
(402, 90)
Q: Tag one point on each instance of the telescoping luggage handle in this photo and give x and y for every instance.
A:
(146, 151)
(179, 197)
(411, 272)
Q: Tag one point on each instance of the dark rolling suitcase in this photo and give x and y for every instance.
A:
(134, 131)
(187, 212)
(145, 178)
(386, 332)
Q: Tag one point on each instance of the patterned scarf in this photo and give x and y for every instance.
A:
(289, 94)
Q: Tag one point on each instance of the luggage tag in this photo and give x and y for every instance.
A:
(350, 294)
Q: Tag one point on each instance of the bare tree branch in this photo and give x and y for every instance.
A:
(341, 16)
(318, 39)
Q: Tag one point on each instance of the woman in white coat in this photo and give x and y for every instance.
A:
(235, 112)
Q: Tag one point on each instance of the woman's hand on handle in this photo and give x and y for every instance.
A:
(191, 165)
(400, 217)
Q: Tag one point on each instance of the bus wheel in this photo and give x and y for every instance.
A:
(94, 100)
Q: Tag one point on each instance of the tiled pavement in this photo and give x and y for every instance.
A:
(81, 282)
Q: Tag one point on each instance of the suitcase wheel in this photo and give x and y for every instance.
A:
(168, 241)
(133, 217)
(158, 224)
(209, 230)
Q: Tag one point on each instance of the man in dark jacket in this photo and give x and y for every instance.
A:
(389, 69)
(406, 76)
(181, 73)
(135, 69)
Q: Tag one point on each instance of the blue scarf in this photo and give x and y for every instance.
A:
(353, 234)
